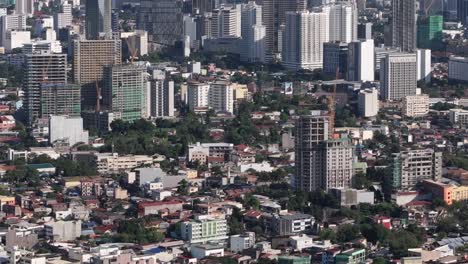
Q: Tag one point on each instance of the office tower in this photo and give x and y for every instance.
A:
(190, 30)
(24, 7)
(197, 96)
(424, 69)
(11, 22)
(161, 98)
(415, 165)
(274, 15)
(398, 73)
(361, 5)
(226, 21)
(41, 69)
(89, 58)
(115, 20)
(60, 99)
(200, 7)
(221, 97)
(335, 57)
(364, 30)
(253, 33)
(98, 18)
(361, 60)
(458, 68)
(303, 39)
(64, 18)
(368, 102)
(381, 52)
(404, 25)
(311, 131)
(430, 34)
(338, 157)
(124, 91)
(343, 20)
(450, 9)
(163, 19)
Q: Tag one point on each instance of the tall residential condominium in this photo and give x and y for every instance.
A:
(98, 18)
(124, 91)
(311, 131)
(462, 11)
(24, 7)
(40, 69)
(60, 99)
(338, 157)
(343, 21)
(63, 19)
(415, 165)
(361, 60)
(368, 102)
(398, 73)
(404, 25)
(11, 22)
(303, 38)
(89, 59)
(253, 33)
(274, 16)
(226, 21)
(161, 98)
(163, 19)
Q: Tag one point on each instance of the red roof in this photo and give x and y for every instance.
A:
(145, 204)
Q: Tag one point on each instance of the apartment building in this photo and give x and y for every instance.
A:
(202, 151)
(202, 231)
(112, 162)
(458, 117)
(291, 224)
(416, 105)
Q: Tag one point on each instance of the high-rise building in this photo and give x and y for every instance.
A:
(161, 98)
(197, 96)
(416, 105)
(424, 69)
(226, 21)
(343, 20)
(430, 32)
(124, 91)
(338, 155)
(221, 97)
(64, 18)
(89, 59)
(41, 69)
(303, 39)
(24, 7)
(253, 33)
(11, 22)
(462, 11)
(274, 16)
(457, 68)
(415, 165)
(163, 19)
(398, 73)
(200, 7)
(67, 130)
(364, 30)
(335, 56)
(361, 60)
(311, 131)
(404, 25)
(60, 99)
(368, 102)
(98, 18)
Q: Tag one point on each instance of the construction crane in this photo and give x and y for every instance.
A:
(426, 10)
(133, 51)
(98, 98)
(331, 103)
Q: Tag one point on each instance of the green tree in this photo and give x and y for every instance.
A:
(327, 234)
(401, 241)
(347, 233)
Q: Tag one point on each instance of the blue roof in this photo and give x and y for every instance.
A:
(154, 250)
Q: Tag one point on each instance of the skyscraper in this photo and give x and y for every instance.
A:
(124, 91)
(343, 20)
(274, 16)
(89, 58)
(161, 98)
(60, 99)
(98, 18)
(11, 22)
(203, 6)
(398, 73)
(24, 7)
(226, 21)
(163, 19)
(338, 157)
(303, 39)
(361, 60)
(335, 56)
(404, 25)
(430, 32)
(41, 69)
(253, 33)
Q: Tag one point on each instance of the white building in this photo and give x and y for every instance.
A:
(303, 38)
(226, 21)
(301, 242)
(53, 46)
(161, 97)
(218, 96)
(368, 102)
(201, 151)
(11, 22)
(238, 243)
(253, 33)
(16, 39)
(398, 76)
(137, 40)
(202, 231)
(343, 20)
(67, 129)
(112, 162)
(416, 105)
(63, 230)
(197, 96)
(24, 7)
(458, 68)
(459, 117)
(424, 65)
(207, 250)
(361, 60)
(64, 18)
